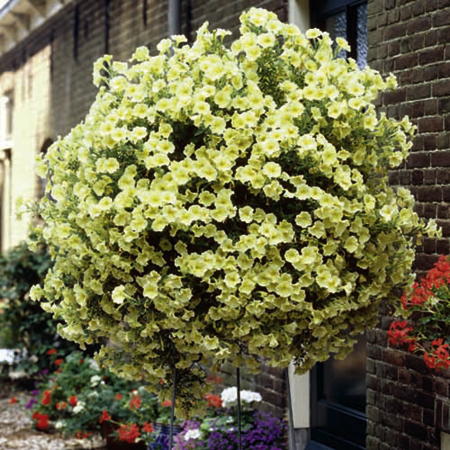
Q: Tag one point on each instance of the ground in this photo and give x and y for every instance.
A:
(16, 431)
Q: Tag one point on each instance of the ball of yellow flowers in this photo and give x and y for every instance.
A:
(227, 202)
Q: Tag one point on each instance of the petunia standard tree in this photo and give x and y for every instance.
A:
(227, 203)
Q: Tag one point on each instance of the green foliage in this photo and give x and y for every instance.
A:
(227, 203)
(76, 394)
(24, 325)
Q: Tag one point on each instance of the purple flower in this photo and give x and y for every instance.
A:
(30, 403)
(266, 433)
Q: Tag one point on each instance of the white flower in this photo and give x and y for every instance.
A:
(193, 434)
(250, 396)
(95, 380)
(79, 408)
(229, 396)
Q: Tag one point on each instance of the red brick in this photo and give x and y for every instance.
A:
(406, 61)
(443, 247)
(418, 92)
(430, 124)
(441, 88)
(442, 18)
(419, 24)
(440, 158)
(432, 55)
(395, 31)
(429, 194)
(418, 160)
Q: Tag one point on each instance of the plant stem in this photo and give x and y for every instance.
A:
(172, 409)
(238, 383)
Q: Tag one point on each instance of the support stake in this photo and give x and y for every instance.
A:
(238, 384)
(172, 409)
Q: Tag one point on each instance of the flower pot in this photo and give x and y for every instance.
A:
(112, 443)
(163, 436)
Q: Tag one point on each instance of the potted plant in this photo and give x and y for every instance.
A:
(218, 428)
(425, 325)
(227, 202)
(81, 399)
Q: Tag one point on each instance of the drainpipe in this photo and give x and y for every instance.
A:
(174, 17)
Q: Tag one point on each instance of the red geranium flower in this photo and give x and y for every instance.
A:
(43, 422)
(58, 362)
(214, 401)
(104, 417)
(148, 427)
(129, 432)
(47, 398)
(398, 333)
(118, 396)
(73, 400)
(135, 402)
(13, 400)
(52, 351)
(430, 361)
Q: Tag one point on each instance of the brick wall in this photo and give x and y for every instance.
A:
(85, 30)
(406, 405)
(68, 45)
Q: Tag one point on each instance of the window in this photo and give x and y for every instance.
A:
(6, 116)
(346, 19)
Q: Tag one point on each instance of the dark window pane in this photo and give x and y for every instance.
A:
(344, 380)
(361, 35)
(336, 25)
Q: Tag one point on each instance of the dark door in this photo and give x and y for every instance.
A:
(338, 402)
(338, 388)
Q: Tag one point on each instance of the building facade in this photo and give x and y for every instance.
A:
(47, 49)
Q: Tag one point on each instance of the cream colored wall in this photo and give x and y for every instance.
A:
(299, 13)
(31, 90)
(300, 386)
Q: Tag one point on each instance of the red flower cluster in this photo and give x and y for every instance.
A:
(135, 402)
(438, 276)
(82, 435)
(42, 420)
(105, 417)
(129, 432)
(13, 400)
(148, 427)
(46, 398)
(214, 379)
(398, 333)
(214, 401)
(73, 400)
(438, 357)
(428, 299)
